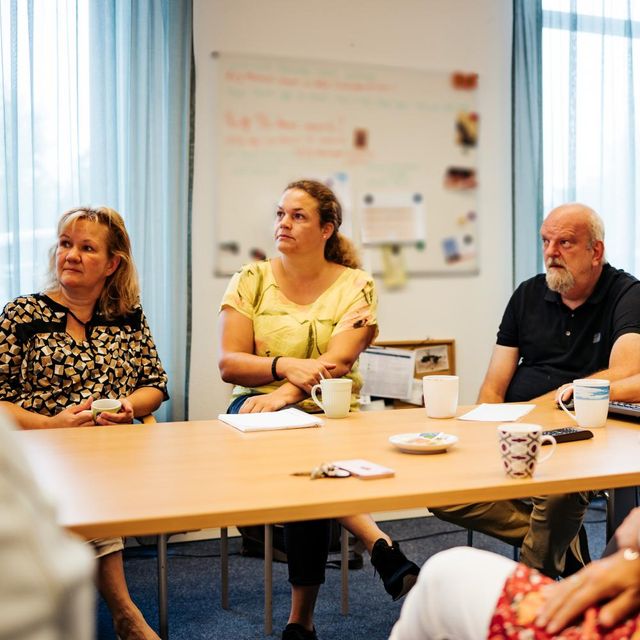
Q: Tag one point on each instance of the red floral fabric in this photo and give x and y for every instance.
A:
(518, 606)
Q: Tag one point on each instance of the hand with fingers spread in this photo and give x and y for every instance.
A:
(614, 580)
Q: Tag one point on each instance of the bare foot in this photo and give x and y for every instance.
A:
(133, 626)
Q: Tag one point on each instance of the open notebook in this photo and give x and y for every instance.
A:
(270, 420)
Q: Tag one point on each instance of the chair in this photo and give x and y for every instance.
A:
(268, 573)
(516, 549)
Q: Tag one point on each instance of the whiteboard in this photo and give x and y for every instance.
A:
(397, 145)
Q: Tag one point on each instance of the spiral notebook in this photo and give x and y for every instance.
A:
(271, 420)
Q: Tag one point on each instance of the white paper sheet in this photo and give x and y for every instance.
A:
(271, 420)
(506, 412)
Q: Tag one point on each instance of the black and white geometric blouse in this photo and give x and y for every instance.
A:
(44, 369)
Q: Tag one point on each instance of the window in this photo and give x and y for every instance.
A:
(44, 65)
(591, 115)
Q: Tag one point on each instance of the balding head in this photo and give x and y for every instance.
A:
(573, 241)
(580, 214)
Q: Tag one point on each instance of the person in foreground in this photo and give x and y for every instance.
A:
(85, 337)
(42, 594)
(285, 324)
(466, 594)
(580, 319)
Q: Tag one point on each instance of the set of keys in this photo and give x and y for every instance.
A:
(324, 470)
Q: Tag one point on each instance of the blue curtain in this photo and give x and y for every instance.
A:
(96, 105)
(141, 56)
(526, 87)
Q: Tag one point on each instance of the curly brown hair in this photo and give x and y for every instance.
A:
(339, 248)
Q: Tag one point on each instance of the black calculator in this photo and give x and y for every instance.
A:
(568, 434)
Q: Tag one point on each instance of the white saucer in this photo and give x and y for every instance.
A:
(422, 443)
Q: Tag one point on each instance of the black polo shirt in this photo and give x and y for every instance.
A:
(557, 344)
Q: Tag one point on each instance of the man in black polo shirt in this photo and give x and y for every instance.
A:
(581, 318)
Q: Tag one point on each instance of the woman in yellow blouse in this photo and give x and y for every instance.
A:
(285, 324)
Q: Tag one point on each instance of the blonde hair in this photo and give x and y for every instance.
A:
(121, 292)
(339, 248)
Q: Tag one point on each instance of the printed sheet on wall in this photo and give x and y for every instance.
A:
(397, 145)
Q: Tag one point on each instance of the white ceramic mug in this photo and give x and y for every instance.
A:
(440, 396)
(590, 401)
(336, 396)
(106, 406)
(520, 448)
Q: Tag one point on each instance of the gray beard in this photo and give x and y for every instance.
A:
(560, 281)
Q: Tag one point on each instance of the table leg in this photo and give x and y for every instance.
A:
(268, 579)
(162, 586)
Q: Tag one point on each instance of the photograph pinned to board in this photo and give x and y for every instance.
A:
(462, 245)
(466, 128)
(460, 178)
(458, 248)
(463, 81)
(432, 359)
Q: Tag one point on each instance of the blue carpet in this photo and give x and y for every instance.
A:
(194, 586)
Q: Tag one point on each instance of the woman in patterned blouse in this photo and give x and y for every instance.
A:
(285, 324)
(85, 337)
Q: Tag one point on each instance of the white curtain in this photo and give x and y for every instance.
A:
(44, 132)
(591, 115)
(96, 106)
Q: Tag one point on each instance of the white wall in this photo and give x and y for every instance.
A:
(445, 35)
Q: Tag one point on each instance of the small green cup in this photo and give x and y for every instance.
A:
(105, 405)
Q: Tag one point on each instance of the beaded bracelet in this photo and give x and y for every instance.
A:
(274, 373)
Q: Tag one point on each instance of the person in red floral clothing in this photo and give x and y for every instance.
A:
(467, 594)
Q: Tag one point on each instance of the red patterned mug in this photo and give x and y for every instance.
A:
(520, 448)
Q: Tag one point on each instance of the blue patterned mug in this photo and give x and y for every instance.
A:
(591, 402)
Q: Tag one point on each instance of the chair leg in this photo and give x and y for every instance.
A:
(619, 503)
(611, 509)
(224, 567)
(344, 569)
(516, 550)
(162, 587)
(268, 579)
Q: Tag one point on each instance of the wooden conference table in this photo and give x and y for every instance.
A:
(170, 477)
